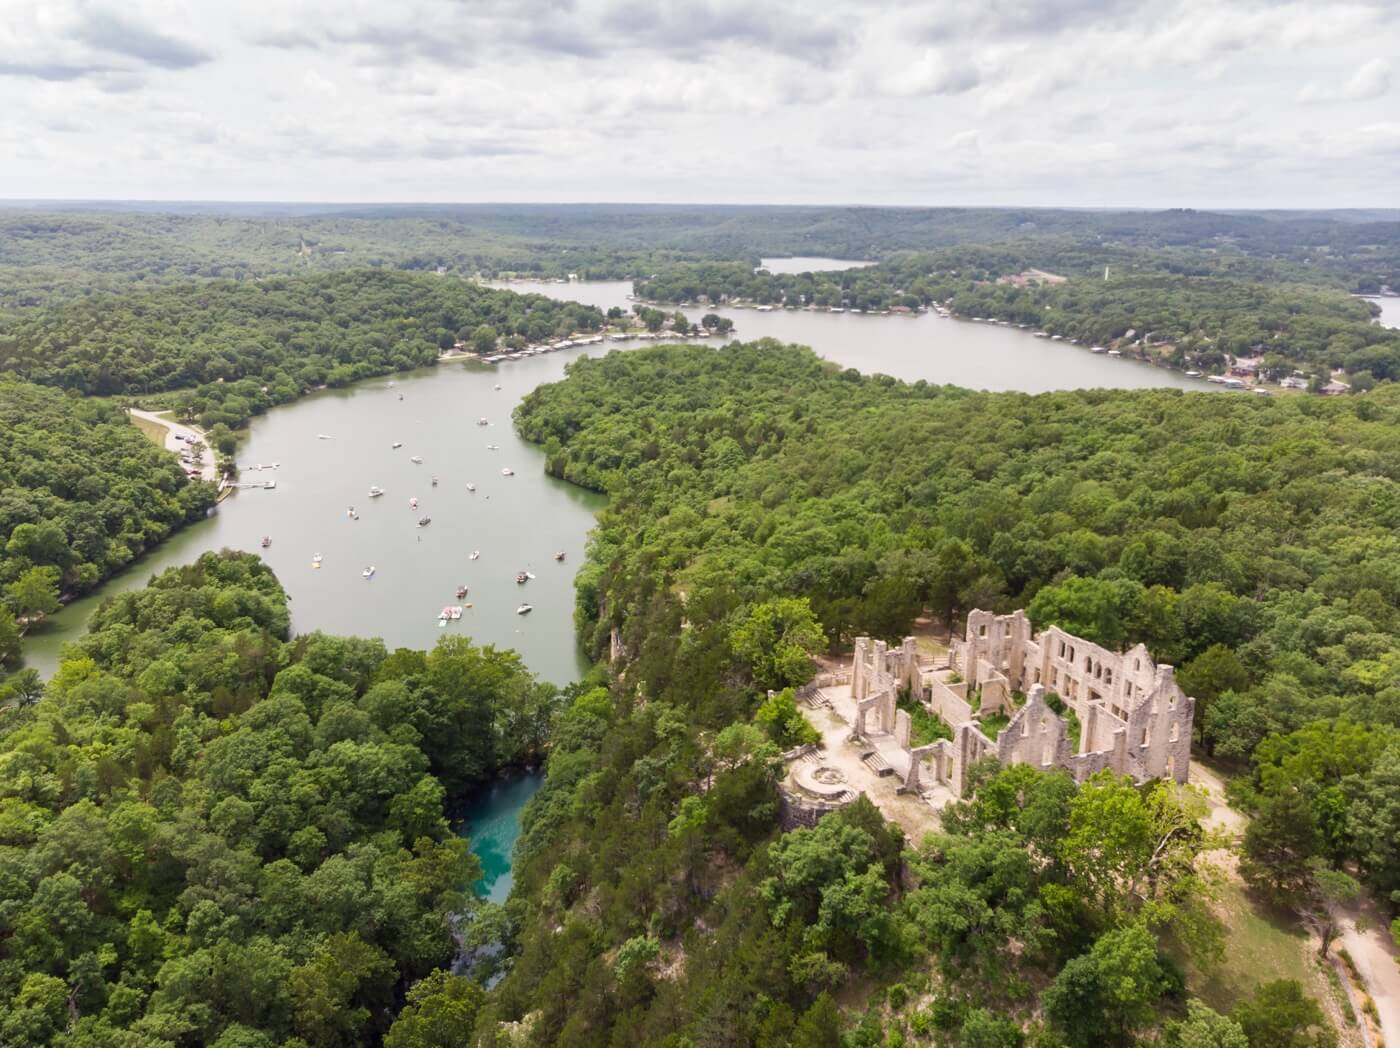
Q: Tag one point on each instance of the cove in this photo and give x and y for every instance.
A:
(491, 820)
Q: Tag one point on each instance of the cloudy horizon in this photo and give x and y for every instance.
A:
(1079, 103)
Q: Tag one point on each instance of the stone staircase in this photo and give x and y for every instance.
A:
(876, 763)
(813, 699)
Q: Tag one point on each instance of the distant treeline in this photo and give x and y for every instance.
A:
(1199, 313)
(234, 348)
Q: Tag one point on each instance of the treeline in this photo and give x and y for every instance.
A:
(237, 347)
(212, 834)
(82, 494)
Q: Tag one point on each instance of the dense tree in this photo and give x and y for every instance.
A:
(1281, 1015)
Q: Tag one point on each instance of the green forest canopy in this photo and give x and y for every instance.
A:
(82, 494)
(212, 834)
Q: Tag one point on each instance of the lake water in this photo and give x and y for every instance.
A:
(492, 822)
(809, 264)
(1390, 309)
(517, 522)
(925, 346)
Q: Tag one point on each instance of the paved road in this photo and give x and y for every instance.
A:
(172, 431)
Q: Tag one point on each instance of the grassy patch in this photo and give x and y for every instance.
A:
(993, 724)
(155, 432)
(1259, 947)
(925, 726)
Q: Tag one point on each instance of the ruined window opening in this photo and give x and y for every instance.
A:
(1144, 736)
(1062, 649)
(982, 630)
(1176, 732)
(1137, 664)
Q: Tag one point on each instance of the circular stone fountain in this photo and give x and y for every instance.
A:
(821, 781)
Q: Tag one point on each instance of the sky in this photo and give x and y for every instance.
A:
(1191, 103)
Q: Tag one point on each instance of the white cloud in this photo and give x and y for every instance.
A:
(1369, 81)
(1149, 102)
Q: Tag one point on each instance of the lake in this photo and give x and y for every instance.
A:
(517, 523)
(1390, 309)
(924, 346)
(809, 264)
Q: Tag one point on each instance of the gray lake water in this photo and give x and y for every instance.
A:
(1390, 309)
(926, 346)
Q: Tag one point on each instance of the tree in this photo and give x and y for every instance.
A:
(9, 637)
(1110, 990)
(819, 1026)
(439, 1012)
(1281, 1015)
(776, 640)
(1327, 889)
(1205, 1028)
(1211, 673)
(1279, 844)
(35, 593)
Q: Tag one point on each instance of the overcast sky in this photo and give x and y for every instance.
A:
(1206, 103)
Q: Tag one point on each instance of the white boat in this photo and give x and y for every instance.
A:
(368, 573)
(1097, 349)
(498, 385)
(375, 492)
(316, 561)
(507, 472)
(1193, 374)
(397, 444)
(471, 487)
(482, 421)
(269, 484)
(524, 609)
(476, 555)
(493, 447)
(529, 574)
(413, 503)
(416, 459)
(324, 436)
(559, 555)
(1115, 352)
(454, 612)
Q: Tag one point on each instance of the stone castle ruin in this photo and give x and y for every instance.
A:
(1051, 700)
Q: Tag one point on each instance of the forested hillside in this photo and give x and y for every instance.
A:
(756, 491)
(82, 494)
(236, 348)
(210, 834)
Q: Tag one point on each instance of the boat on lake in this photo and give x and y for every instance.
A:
(375, 491)
(559, 555)
(316, 561)
(524, 609)
(493, 447)
(522, 577)
(476, 555)
(482, 421)
(507, 472)
(266, 541)
(423, 522)
(397, 444)
(415, 459)
(461, 592)
(471, 487)
(368, 573)
(435, 482)
(413, 502)
(324, 436)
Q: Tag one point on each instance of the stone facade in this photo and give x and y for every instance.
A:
(1130, 715)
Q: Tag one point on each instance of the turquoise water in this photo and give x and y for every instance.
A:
(492, 822)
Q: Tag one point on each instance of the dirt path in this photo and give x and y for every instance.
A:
(177, 438)
(1366, 936)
